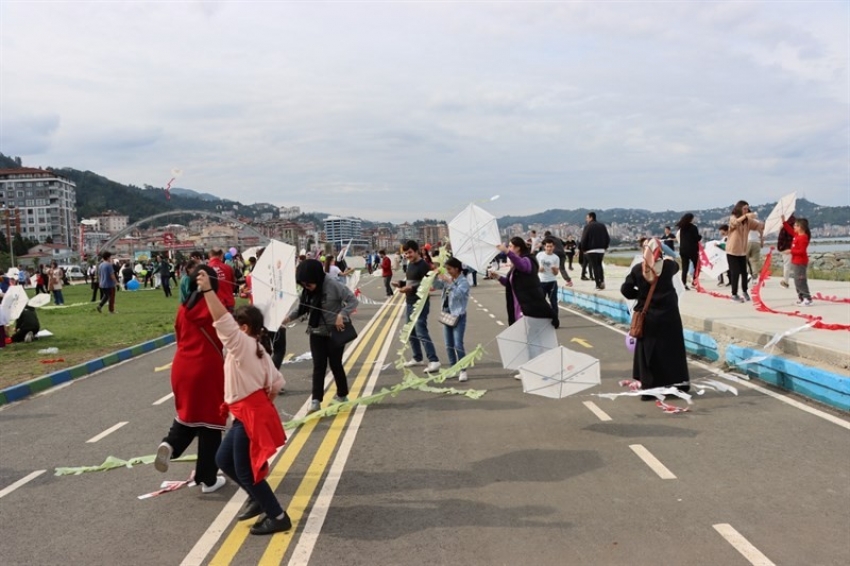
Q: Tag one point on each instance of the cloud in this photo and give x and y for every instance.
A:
(406, 110)
(22, 134)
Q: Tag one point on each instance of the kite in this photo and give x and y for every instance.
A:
(559, 373)
(524, 340)
(474, 235)
(273, 283)
(785, 207)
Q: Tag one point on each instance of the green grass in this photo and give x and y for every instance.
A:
(82, 334)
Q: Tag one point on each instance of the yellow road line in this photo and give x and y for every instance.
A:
(163, 368)
(228, 549)
(300, 501)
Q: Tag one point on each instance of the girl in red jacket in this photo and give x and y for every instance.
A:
(800, 258)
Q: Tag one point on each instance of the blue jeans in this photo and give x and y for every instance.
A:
(454, 339)
(58, 299)
(234, 459)
(420, 337)
(550, 290)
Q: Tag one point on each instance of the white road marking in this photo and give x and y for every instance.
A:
(742, 545)
(500, 323)
(492, 315)
(485, 310)
(652, 462)
(7, 490)
(106, 432)
(603, 416)
(737, 380)
(313, 527)
(164, 399)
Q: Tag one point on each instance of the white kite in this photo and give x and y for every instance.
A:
(273, 283)
(559, 373)
(785, 207)
(13, 304)
(526, 339)
(474, 235)
(717, 263)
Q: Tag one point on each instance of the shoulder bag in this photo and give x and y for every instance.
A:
(342, 337)
(636, 329)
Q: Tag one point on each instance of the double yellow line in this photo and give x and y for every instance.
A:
(280, 542)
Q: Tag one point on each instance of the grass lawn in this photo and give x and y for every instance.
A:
(82, 334)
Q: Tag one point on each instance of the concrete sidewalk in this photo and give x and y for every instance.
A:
(722, 330)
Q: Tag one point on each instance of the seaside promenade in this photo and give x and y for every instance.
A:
(814, 362)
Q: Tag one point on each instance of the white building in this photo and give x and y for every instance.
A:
(289, 212)
(112, 222)
(40, 203)
(339, 231)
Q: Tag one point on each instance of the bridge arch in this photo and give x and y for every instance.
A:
(108, 244)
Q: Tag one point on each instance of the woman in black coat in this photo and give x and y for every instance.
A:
(660, 358)
(523, 294)
(689, 238)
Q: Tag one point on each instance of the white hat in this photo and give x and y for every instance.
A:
(13, 273)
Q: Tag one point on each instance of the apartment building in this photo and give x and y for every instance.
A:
(42, 203)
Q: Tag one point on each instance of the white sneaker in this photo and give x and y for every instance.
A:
(518, 376)
(219, 483)
(462, 376)
(411, 363)
(315, 405)
(432, 366)
(163, 457)
(806, 302)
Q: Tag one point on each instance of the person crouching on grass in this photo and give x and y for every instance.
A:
(250, 383)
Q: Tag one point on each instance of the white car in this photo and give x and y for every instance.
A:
(73, 271)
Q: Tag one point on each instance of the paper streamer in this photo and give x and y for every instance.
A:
(169, 486)
(112, 462)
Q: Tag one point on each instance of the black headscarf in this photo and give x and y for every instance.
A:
(311, 271)
(194, 295)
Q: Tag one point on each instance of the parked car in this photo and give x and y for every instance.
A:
(73, 272)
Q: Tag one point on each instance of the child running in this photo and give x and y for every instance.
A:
(800, 258)
(250, 383)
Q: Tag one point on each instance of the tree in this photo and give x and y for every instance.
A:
(19, 245)
(4, 245)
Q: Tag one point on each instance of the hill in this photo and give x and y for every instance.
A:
(817, 215)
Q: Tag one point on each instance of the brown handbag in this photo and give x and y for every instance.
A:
(636, 329)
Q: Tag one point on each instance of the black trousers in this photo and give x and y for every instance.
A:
(324, 354)
(278, 346)
(180, 437)
(688, 260)
(387, 284)
(594, 261)
(737, 272)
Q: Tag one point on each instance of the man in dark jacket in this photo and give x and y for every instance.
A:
(594, 242)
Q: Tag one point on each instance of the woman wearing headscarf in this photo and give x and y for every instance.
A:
(523, 294)
(329, 305)
(197, 379)
(741, 222)
(660, 358)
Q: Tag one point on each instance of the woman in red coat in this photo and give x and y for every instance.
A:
(197, 379)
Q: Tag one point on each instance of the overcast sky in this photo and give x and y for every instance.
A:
(398, 111)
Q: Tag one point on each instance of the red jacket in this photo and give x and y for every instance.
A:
(262, 425)
(387, 266)
(225, 282)
(799, 246)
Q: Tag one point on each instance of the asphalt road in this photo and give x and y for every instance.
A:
(424, 478)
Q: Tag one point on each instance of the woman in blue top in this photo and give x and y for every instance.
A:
(454, 300)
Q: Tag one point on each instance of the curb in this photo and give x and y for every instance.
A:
(820, 385)
(39, 384)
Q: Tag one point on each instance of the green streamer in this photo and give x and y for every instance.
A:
(112, 462)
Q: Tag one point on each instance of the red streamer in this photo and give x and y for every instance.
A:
(168, 189)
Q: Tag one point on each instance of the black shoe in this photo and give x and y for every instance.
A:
(583, 278)
(270, 525)
(251, 510)
(648, 398)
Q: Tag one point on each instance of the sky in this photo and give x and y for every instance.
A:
(395, 111)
